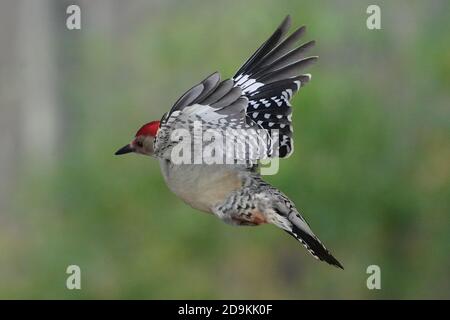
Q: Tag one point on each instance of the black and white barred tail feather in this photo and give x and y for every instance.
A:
(314, 246)
(270, 78)
(295, 225)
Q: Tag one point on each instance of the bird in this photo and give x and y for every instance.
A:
(256, 98)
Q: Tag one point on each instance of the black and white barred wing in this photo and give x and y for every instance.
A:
(253, 109)
(209, 122)
(269, 79)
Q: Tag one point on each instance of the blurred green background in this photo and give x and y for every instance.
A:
(371, 170)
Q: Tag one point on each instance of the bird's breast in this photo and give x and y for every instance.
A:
(201, 186)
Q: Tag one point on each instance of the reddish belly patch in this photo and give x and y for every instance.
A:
(255, 219)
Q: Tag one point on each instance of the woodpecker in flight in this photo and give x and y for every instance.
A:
(257, 97)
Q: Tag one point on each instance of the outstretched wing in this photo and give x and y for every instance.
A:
(270, 78)
(252, 109)
(217, 109)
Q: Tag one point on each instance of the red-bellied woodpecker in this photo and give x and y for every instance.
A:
(256, 99)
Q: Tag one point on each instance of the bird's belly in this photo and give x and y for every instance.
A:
(201, 186)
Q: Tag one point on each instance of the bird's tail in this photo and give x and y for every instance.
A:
(313, 245)
(290, 220)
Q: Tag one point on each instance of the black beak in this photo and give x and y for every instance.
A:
(123, 150)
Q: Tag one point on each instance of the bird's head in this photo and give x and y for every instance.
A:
(143, 141)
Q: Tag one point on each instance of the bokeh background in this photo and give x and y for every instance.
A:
(371, 170)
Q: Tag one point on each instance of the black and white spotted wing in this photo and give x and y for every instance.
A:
(269, 79)
(257, 97)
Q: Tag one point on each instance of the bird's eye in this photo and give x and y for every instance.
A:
(139, 144)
